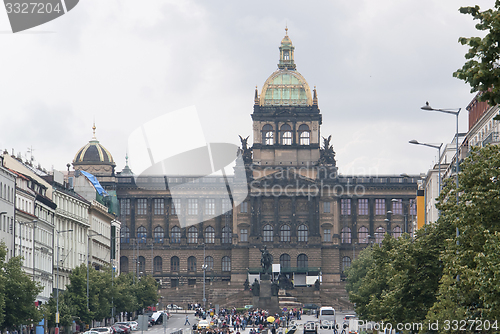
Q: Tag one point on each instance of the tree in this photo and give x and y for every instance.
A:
(471, 269)
(20, 295)
(397, 282)
(482, 69)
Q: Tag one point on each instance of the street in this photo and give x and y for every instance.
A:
(177, 320)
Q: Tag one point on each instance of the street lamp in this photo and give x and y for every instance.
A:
(57, 281)
(456, 112)
(413, 141)
(204, 267)
(88, 264)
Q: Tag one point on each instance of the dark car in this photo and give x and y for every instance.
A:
(310, 328)
(311, 306)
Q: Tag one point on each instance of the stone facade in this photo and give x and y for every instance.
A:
(312, 220)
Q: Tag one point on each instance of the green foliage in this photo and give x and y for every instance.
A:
(20, 295)
(105, 292)
(482, 69)
(397, 281)
(471, 266)
(438, 276)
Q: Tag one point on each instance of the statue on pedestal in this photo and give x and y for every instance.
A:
(266, 260)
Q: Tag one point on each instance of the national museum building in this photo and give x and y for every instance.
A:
(312, 220)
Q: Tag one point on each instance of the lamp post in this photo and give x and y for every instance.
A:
(57, 280)
(204, 267)
(413, 141)
(88, 263)
(456, 112)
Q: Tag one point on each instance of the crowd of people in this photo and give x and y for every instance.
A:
(231, 321)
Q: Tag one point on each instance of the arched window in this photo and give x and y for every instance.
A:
(124, 264)
(192, 235)
(286, 134)
(141, 261)
(191, 263)
(396, 232)
(302, 233)
(158, 264)
(226, 263)
(125, 235)
(158, 234)
(175, 235)
(226, 235)
(346, 263)
(345, 235)
(209, 235)
(267, 135)
(141, 235)
(302, 261)
(285, 261)
(174, 264)
(304, 135)
(285, 233)
(363, 235)
(209, 262)
(267, 235)
(379, 234)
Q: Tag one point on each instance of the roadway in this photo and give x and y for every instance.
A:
(177, 322)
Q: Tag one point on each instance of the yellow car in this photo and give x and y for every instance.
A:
(203, 324)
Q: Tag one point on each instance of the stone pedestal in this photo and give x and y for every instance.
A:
(265, 300)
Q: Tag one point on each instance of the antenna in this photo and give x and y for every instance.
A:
(30, 151)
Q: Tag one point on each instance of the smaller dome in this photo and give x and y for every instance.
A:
(286, 41)
(93, 153)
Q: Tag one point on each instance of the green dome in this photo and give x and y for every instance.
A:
(286, 88)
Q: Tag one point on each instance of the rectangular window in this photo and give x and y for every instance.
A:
(327, 235)
(363, 207)
(176, 206)
(345, 206)
(226, 205)
(413, 207)
(244, 207)
(244, 235)
(326, 207)
(192, 206)
(380, 206)
(125, 207)
(159, 206)
(210, 206)
(142, 206)
(397, 207)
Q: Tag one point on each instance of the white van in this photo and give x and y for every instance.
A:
(326, 316)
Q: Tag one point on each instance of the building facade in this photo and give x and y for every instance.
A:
(7, 208)
(312, 220)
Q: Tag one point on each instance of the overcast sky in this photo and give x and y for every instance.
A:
(124, 63)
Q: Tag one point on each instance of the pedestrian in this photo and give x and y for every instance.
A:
(187, 321)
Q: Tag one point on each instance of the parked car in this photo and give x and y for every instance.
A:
(91, 332)
(173, 307)
(103, 330)
(311, 306)
(133, 324)
(126, 323)
(119, 329)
